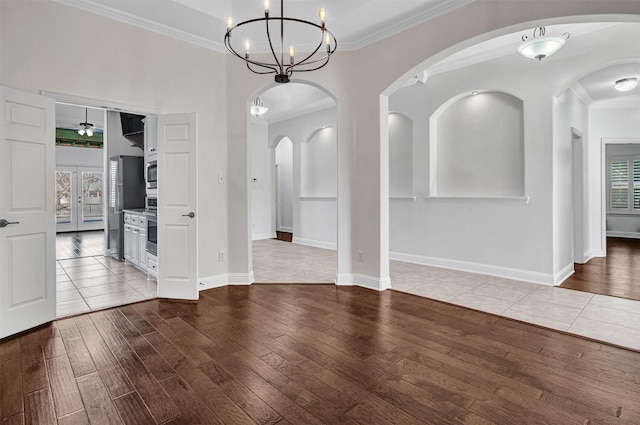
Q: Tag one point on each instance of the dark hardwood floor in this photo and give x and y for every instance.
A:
(284, 236)
(617, 274)
(300, 354)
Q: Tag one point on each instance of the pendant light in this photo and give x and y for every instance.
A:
(258, 108)
(86, 126)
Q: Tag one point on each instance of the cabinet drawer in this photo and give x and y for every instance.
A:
(142, 222)
(134, 219)
(127, 218)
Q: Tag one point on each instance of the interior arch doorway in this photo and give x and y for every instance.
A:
(293, 151)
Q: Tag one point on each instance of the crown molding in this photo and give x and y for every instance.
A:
(127, 18)
(581, 93)
(404, 24)
(218, 46)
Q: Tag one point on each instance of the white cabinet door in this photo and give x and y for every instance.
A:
(128, 237)
(135, 251)
(27, 245)
(177, 207)
(142, 248)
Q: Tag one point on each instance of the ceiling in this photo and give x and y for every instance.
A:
(356, 23)
(70, 116)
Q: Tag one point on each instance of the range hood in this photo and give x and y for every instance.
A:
(133, 128)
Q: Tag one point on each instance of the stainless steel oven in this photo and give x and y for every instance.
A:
(152, 232)
(152, 175)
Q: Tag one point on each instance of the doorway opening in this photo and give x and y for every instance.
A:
(294, 186)
(87, 277)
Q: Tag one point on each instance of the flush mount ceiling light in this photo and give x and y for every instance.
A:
(86, 126)
(626, 84)
(258, 108)
(539, 46)
(282, 69)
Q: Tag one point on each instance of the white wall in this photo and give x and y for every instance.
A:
(570, 112)
(79, 157)
(314, 175)
(129, 66)
(400, 155)
(262, 202)
(284, 186)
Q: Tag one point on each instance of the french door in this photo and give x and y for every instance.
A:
(79, 199)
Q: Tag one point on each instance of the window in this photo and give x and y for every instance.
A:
(624, 185)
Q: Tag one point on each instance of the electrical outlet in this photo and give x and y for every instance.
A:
(360, 256)
(220, 179)
(221, 256)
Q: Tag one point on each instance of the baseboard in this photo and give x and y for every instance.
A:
(466, 266)
(220, 280)
(593, 254)
(241, 278)
(213, 282)
(263, 236)
(628, 235)
(314, 243)
(285, 229)
(364, 281)
(563, 274)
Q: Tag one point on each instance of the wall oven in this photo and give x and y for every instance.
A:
(152, 176)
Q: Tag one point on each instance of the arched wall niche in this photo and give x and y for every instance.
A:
(476, 146)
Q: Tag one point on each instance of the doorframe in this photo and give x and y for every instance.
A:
(105, 105)
(577, 159)
(604, 181)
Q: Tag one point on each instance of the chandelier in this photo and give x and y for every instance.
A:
(284, 63)
(540, 45)
(85, 127)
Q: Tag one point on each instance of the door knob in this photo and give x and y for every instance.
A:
(190, 215)
(5, 223)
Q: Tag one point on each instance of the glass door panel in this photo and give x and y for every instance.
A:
(92, 200)
(64, 180)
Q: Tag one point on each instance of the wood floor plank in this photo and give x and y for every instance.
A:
(11, 402)
(34, 369)
(99, 407)
(289, 354)
(39, 408)
(66, 396)
(133, 411)
(160, 405)
(114, 378)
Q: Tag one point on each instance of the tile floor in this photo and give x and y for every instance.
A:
(601, 317)
(93, 283)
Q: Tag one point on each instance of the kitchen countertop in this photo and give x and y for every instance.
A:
(135, 211)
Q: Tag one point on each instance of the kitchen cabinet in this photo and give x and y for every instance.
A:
(152, 265)
(150, 138)
(135, 239)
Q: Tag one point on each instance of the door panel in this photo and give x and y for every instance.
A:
(79, 199)
(177, 207)
(27, 248)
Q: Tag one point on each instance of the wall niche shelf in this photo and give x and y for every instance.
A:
(515, 199)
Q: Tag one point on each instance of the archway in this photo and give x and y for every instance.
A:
(294, 185)
(453, 241)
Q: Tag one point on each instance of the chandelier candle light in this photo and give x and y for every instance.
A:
(280, 66)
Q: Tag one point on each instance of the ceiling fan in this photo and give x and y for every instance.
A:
(86, 127)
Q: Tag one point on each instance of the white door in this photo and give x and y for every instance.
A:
(79, 200)
(177, 207)
(27, 241)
